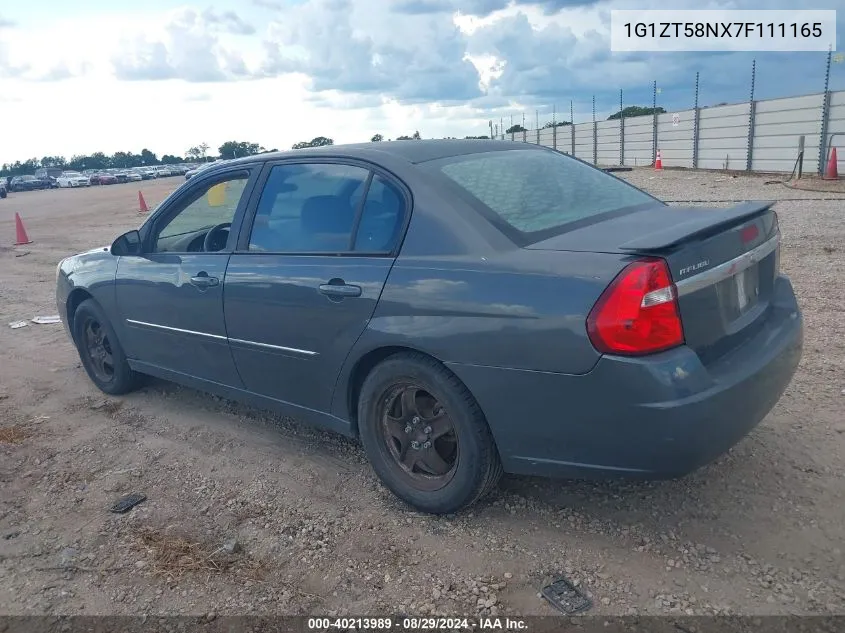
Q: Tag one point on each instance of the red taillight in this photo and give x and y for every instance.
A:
(638, 312)
(749, 233)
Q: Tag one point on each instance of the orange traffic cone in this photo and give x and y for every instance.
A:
(22, 237)
(832, 171)
(142, 205)
(658, 163)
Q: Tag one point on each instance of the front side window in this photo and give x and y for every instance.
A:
(210, 204)
(307, 208)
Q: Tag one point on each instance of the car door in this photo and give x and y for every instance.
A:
(171, 297)
(311, 263)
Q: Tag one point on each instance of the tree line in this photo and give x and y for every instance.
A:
(627, 113)
(145, 158)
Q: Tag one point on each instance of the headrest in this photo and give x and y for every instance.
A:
(327, 214)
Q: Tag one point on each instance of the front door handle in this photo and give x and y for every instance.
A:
(340, 290)
(202, 280)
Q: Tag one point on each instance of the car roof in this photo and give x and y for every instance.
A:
(411, 151)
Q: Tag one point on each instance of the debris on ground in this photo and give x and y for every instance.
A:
(47, 320)
(175, 556)
(126, 503)
(14, 434)
(564, 596)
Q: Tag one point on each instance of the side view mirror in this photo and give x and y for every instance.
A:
(127, 244)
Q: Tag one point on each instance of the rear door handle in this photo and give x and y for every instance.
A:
(340, 290)
(202, 280)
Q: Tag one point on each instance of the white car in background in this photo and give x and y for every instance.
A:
(73, 179)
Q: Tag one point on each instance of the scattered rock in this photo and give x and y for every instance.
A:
(232, 545)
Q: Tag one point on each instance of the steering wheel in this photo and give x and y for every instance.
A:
(206, 243)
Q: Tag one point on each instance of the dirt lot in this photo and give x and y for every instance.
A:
(759, 532)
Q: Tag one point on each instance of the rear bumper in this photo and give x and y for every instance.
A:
(661, 416)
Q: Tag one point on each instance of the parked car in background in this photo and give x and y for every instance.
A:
(463, 308)
(3, 190)
(103, 178)
(193, 172)
(27, 183)
(73, 179)
(49, 175)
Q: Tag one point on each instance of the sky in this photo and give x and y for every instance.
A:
(166, 75)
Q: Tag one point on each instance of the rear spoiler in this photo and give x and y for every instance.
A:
(703, 220)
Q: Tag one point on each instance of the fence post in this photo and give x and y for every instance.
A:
(752, 107)
(524, 130)
(695, 123)
(537, 119)
(800, 156)
(825, 113)
(654, 124)
(595, 135)
(513, 134)
(554, 127)
(572, 125)
(621, 132)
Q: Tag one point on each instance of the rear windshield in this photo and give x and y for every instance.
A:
(536, 193)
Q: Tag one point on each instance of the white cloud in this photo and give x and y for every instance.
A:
(280, 71)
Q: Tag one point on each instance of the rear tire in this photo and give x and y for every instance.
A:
(100, 351)
(412, 410)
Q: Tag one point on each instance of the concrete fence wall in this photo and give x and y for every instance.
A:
(758, 136)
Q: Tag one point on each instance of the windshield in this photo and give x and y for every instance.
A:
(530, 193)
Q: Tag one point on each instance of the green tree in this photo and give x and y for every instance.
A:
(377, 138)
(515, 128)
(97, 160)
(53, 161)
(632, 111)
(148, 158)
(317, 141)
(235, 149)
(78, 162)
(552, 124)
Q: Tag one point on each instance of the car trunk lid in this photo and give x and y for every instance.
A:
(724, 263)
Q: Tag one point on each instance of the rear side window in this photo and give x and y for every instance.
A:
(535, 192)
(381, 217)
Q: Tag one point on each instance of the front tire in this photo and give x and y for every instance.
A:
(100, 351)
(426, 436)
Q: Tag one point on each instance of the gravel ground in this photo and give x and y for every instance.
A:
(248, 513)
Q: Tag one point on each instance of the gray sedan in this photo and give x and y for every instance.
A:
(463, 308)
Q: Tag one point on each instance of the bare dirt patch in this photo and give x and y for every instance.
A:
(760, 531)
